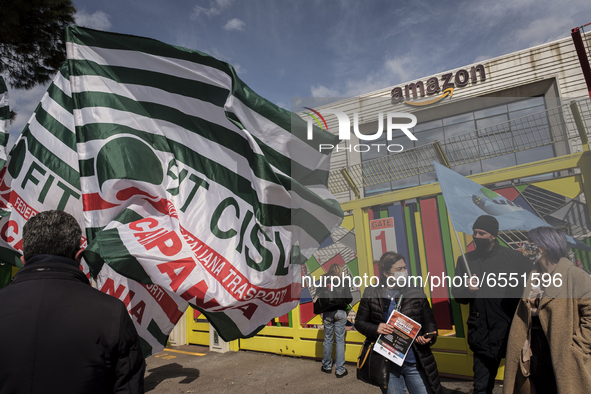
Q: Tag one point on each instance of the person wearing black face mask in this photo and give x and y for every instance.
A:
(491, 308)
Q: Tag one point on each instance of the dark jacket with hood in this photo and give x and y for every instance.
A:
(62, 336)
(414, 305)
(491, 307)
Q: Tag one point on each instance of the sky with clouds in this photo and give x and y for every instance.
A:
(331, 48)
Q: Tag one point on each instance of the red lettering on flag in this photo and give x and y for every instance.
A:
(138, 311)
(12, 225)
(109, 288)
(168, 305)
(168, 242)
(198, 292)
(186, 267)
(21, 206)
(230, 278)
(128, 298)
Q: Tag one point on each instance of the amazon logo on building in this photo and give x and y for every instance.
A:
(448, 83)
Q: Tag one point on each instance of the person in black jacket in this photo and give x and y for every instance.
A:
(334, 320)
(66, 336)
(491, 307)
(419, 372)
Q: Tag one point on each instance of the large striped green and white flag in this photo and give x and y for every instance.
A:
(183, 178)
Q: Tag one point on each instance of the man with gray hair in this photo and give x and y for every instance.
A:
(60, 334)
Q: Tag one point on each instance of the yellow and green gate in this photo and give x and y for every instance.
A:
(425, 235)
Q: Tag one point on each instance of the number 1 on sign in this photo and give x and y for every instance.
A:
(382, 239)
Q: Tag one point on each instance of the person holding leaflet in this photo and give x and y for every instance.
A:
(419, 372)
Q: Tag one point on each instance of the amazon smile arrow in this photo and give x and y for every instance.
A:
(447, 92)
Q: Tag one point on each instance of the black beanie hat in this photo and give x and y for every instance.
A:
(488, 224)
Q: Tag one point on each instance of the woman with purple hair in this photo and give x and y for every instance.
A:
(549, 346)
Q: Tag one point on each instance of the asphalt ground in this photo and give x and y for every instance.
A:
(194, 369)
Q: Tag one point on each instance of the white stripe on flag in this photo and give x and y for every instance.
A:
(149, 62)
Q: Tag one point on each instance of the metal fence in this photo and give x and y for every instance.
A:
(563, 124)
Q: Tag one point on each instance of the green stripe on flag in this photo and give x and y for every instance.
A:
(93, 260)
(11, 257)
(96, 38)
(61, 98)
(58, 130)
(51, 160)
(288, 166)
(296, 256)
(128, 216)
(225, 327)
(145, 346)
(4, 112)
(86, 167)
(65, 72)
(157, 333)
(281, 117)
(165, 82)
(112, 250)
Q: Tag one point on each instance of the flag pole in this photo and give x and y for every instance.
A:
(463, 255)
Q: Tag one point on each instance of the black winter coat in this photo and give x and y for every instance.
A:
(62, 336)
(491, 308)
(342, 293)
(414, 305)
